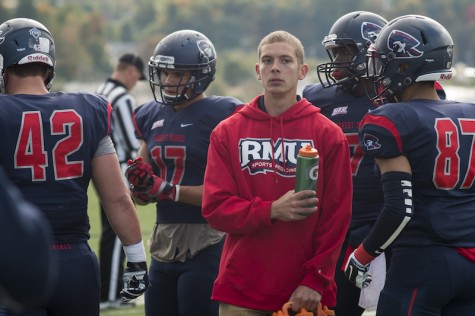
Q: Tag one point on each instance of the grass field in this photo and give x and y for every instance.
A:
(147, 219)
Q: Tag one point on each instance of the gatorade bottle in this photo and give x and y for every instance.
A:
(307, 169)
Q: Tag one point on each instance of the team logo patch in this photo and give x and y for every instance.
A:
(261, 155)
(370, 31)
(35, 33)
(158, 123)
(404, 45)
(371, 142)
(340, 110)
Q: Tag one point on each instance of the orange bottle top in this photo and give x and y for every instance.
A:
(308, 151)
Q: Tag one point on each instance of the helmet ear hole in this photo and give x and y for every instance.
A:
(402, 67)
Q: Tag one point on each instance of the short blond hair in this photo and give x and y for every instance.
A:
(286, 37)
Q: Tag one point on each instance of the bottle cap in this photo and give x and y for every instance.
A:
(308, 151)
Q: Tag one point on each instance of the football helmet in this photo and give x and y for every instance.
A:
(346, 45)
(24, 41)
(411, 48)
(183, 51)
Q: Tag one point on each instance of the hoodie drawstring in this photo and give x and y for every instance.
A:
(276, 179)
(273, 146)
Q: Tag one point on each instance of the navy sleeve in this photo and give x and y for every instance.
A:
(379, 137)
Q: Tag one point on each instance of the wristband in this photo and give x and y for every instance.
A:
(362, 255)
(177, 192)
(135, 253)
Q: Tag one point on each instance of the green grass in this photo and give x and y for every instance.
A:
(147, 219)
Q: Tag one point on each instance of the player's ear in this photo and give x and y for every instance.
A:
(303, 71)
(258, 71)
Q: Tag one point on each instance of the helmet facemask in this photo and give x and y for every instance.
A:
(2, 75)
(155, 78)
(185, 89)
(376, 64)
(344, 68)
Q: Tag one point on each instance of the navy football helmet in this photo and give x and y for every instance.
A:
(24, 41)
(346, 45)
(409, 49)
(187, 51)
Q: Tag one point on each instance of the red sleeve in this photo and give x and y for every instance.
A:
(335, 213)
(109, 117)
(226, 207)
(138, 133)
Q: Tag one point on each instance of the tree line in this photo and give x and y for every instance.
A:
(82, 29)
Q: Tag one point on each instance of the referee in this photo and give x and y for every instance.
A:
(128, 70)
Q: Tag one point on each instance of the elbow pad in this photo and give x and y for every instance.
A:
(397, 212)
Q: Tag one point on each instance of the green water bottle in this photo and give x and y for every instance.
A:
(307, 169)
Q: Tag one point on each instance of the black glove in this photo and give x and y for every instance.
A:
(135, 279)
(357, 273)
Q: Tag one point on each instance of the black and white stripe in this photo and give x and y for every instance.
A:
(123, 104)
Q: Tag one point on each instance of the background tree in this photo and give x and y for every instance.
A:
(83, 29)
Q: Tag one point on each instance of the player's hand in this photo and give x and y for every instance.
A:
(356, 272)
(145, 186)
(137, 172)
(135, 279)
(155, 189)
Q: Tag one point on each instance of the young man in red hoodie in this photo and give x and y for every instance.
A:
(277, 248)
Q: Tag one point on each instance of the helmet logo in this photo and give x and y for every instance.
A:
(35, 33)
(36, 58)
(206, 51)
(370, 31)
(403, 45)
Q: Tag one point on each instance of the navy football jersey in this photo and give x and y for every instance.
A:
(47, 145)
(437, 137)
(178, 147)
(347, 111)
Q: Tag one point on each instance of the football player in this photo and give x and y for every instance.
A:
(174, 131)
(341, 96)
(423, 147)
(53, 145)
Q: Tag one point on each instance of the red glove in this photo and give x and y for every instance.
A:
(137, 172)
(147, 187)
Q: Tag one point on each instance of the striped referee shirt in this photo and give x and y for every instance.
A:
(123, 105)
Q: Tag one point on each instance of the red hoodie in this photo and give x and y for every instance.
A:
(265, 260)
